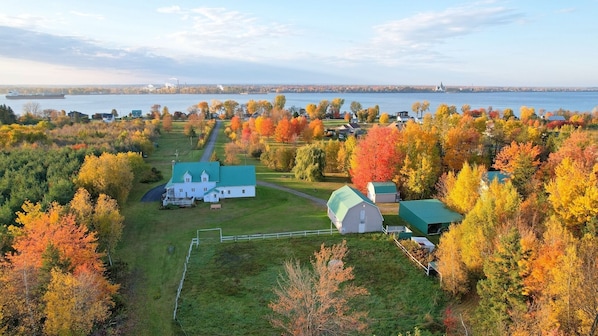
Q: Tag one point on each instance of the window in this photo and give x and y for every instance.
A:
(180, 190)
(205, 189)
(229, 192)
(187, 179)
(222, 192)
(243, 191)
(192, 189)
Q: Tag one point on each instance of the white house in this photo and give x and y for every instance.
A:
(208, 181)
(351, 212)
(382, 192)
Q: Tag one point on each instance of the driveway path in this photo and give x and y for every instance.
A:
(317, 200)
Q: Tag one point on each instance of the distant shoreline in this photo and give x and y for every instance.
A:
(277, 89)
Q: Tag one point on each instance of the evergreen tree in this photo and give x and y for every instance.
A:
(7, 116)
(502, 297)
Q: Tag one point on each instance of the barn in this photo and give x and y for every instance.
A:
(429, 216)
(382, 192)
(351, 212)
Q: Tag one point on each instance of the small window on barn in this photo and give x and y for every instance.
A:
(243, 191)
(229, 192)
(222, 192)
(205, 189)
(192, 189)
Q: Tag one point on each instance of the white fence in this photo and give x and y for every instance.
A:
(241, 238)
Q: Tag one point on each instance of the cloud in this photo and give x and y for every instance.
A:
(219, 32)
(86, 54)
(87, 15)
(415, 38)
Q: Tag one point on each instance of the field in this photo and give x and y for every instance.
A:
(229, 285)
(155, 242)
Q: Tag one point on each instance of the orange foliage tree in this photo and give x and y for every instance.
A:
(520, 162)
(376, 157)
(316, 302)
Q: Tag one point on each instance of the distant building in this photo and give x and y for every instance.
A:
(440, 88)
(136, 113)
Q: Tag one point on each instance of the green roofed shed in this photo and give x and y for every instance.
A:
(382, 192)
(430, 216)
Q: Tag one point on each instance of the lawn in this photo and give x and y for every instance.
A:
(155, 242)
(229, 285)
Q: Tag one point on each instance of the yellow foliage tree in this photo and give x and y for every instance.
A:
(108, 174)
(450, 265)
(573, 194)
(75, 302)
(466, 189)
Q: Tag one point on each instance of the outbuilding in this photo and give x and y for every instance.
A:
(429, 216)
(351, 212)
(382, 192)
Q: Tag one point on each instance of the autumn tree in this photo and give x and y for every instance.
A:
(230, 107)
(265, 126)
(455, 278)
(310, 109)
(376, 158)
(345, 153)
(108, 223)
(461, 144)
(573, 194)
(284, 131)
(384, 118)
(465, 192)
(108, 174)
(280, 101)
(335, 107)
(520, 162)
(167, 121)
(75, 302)
(322, 109)
(235, 124)
(317, 128)
(315, 301)
(421, 167)
(310, 161)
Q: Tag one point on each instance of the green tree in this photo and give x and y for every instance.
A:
(7, 116)
(502, 298)
(310, 161)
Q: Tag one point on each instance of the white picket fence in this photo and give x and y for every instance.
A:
(241, 238)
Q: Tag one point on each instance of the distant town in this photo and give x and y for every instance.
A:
(173, 88)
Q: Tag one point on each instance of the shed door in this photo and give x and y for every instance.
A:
(362, 221)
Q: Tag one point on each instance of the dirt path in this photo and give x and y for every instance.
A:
(319, 201)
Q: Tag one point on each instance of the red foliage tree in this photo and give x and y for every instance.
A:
(376, 157)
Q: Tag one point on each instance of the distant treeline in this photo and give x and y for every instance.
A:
(262, 89)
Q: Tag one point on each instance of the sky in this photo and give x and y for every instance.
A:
(325, 42)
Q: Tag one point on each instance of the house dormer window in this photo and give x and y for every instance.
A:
(187, 179)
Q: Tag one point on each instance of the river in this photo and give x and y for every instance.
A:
(388, 102)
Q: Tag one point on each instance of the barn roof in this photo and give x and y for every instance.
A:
(431, 211)
(344, 199)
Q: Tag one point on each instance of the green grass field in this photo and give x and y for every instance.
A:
(155, 242)
(229, 285)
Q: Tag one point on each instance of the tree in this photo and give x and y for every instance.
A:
(373, 113)
(230, 106)
(335, 107)
(235, 124)
(316, 302)
(107, 222)
(502, 298)
(519, 161)
(465, 192)
(310, 161)
(108, 174)
(573, 194)
(167, 121)
(322, 109)
(317, 128)
(384, 118)
(279, 102)
(75, 302)
(454, 273)
(376, 158)
(461, 144)
(283, 132)
(7, 116)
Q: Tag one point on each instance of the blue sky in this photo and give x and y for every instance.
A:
(395, 42)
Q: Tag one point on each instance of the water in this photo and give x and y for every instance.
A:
(388, 102)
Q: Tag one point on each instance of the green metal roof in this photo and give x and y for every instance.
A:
(236, 176)
(431, 211)
(195, 169)
(384, 187)
(491, 175)
(344, 199)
